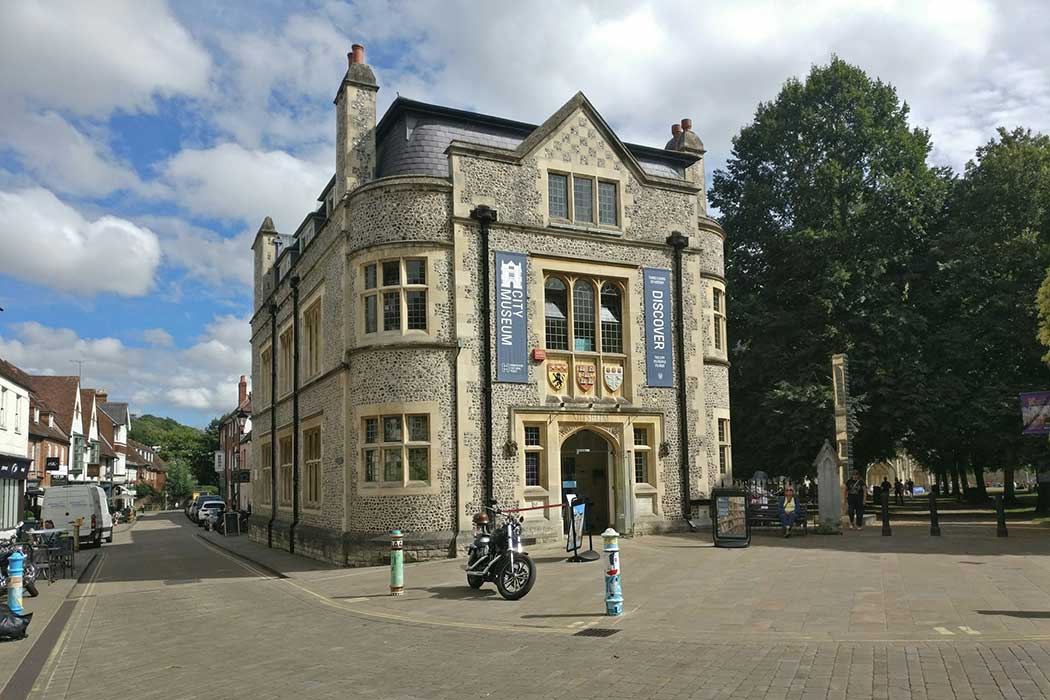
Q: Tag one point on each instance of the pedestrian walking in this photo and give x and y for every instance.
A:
(885, 485)
(910, 485)
(790, 510)
(898, 492)
(855, 492)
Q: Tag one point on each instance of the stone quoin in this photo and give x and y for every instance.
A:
(370, 407)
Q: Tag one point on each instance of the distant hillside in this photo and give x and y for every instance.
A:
(178, 442)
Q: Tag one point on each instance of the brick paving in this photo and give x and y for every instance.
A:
(138, 630)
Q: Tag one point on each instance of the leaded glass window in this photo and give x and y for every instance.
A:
(608, 210)
(583, 316)
(612, 327)
(558, 195)
(583, 199)
(555, 306)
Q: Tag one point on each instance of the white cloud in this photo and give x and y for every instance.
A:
(204, 255)
(229, 181)
(158, 337)
(201, 378)
(95, 57)
(48, 242)
(61, 156)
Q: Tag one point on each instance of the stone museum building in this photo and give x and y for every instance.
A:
(480, 308)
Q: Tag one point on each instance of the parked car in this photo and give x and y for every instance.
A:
(208, 509)
(196, 505)
(64, 504)
(213, 517)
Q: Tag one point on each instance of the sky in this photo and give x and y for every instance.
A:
(143, 142)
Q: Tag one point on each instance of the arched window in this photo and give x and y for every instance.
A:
(555, 307)
(583, 316)
(612, 327)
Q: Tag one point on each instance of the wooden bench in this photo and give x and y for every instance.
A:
(768, 514)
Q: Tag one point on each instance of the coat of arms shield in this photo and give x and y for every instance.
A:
(557, 373)
(585, 375)
(613, 376)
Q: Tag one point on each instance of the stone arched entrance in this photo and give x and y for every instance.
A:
(587, 459)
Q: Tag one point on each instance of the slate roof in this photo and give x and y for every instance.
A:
(117, 411)
(412, 137)
(14, 374)
(136, 456)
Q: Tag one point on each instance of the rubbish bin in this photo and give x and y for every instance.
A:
(729, 521)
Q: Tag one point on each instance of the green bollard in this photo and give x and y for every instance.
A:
(397, 563)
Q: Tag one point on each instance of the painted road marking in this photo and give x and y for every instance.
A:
(969, 630)
(944, 630)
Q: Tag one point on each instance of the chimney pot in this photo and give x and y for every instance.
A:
(357, 53)
(687, 124)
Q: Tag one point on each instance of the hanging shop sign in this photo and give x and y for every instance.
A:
(512, 351)
(1035, 412)
(12, 467)
(657, 285)
(52, 464)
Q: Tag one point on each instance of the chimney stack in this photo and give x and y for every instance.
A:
(242, 390)
(355, 125)
(101, 395)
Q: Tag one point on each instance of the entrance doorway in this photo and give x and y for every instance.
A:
(586, 458)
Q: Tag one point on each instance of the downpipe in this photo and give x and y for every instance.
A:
(678, 243)
(273, 418)
(485, 215)
(294, 282)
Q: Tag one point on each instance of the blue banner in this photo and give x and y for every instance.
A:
(657, 283)
(512, 340)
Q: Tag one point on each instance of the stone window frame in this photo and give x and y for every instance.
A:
(285, 476)
(723, 443)
(645, 449)
(716, 302)
(18, 414)
(436, 455)
(596, 179)
(285, 359)
(308, 426)
(265, 358)
(265, 468)
(539, 448)
(434, 296)
(313, 351)
(3, 407)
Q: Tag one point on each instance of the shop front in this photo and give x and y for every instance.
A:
(14, 470)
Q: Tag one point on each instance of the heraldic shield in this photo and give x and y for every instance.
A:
(557, 374)
(585, 375)
(613, 376)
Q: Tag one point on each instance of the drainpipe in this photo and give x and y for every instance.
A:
(294, 281)
(485, 215)
(273, 423)
(678, 242)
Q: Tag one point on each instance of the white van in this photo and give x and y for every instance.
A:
(64, 504)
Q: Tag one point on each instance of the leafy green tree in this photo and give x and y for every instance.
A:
(145, 490)
(829, 206)
(181, 442)
(179, 483)
(983, 348)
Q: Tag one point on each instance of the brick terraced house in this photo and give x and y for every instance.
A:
(482, 308)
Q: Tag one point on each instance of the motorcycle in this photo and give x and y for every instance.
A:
(497, 556)
(9, 542)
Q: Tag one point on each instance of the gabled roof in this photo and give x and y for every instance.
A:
(87, 403)
(137, 456)
(105, 433)
(60, 395)
(42, 428)
(532, 135)
(118, 412)
(13, 374)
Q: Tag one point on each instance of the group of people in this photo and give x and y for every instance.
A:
(856, 491)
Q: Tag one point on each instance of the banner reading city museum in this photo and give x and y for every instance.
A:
(657, 326)
(511, 327)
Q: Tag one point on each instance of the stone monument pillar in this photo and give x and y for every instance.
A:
(829, 488)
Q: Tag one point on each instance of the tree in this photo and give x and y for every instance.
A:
(176, 441)
(145, 490)
(179, 483)
(829, 205)
(982, 348)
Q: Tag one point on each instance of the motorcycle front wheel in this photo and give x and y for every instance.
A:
(474, 580)
(516, 580)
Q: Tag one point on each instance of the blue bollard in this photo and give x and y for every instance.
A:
(14, 581)
(397, 563)
(613, 589)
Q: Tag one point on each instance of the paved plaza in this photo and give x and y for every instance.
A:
(853, 616)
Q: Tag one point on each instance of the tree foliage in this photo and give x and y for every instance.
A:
(178, 442)
(829, 204)
(179, 483)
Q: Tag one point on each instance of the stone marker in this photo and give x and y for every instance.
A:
(829, 488)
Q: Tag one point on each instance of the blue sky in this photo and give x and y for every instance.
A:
(142, 143)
